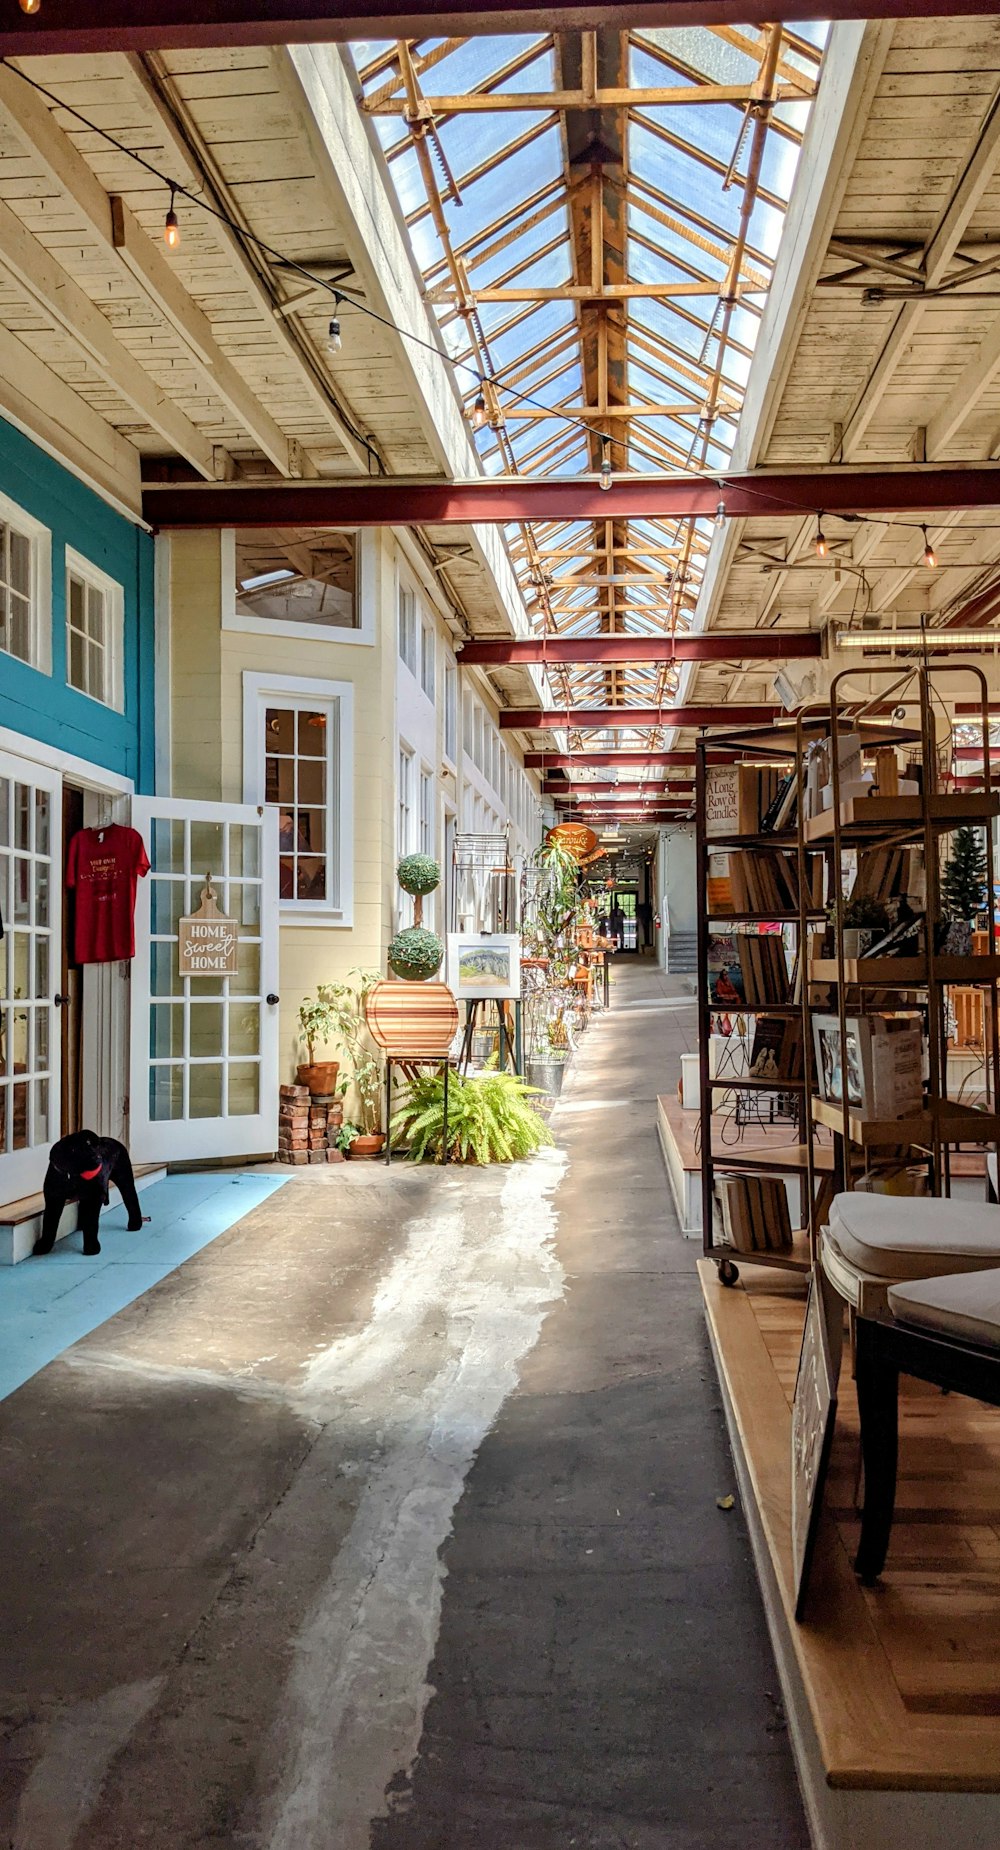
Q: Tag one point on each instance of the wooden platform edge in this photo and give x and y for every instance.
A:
(867, 1739)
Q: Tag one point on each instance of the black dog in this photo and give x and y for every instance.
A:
(82, 1168)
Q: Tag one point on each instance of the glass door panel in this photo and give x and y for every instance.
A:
(205, 1076)
(30, 956)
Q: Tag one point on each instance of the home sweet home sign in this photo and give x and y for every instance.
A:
(208, 943)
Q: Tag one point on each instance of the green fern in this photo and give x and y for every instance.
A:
(490, 1119)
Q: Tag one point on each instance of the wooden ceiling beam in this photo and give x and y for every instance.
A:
(70, 309)
(485, 102)
(122, 241)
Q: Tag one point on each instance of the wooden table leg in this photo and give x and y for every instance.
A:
(878, 1407)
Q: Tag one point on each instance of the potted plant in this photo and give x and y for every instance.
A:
(416, 954)
(364, 1078)
(319, 1022)
(491, 1119)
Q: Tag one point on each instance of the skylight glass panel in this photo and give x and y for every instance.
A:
(668, 369)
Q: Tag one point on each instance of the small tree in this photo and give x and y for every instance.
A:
(963, 883)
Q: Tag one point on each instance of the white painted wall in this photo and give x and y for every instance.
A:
(679, 866)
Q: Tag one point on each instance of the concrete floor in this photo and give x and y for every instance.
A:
(389, 1522)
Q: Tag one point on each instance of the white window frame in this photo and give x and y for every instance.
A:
(450, 732)
(113, 593)
(428, 657)
(336, 699)
(40, 540)
(408, 626)
(425, 813)
(364, 599)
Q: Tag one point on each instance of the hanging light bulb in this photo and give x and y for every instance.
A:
(171, 229)
(720, 514)
(604, 479)
(478, 418)
(930, 556)
(31, 6)
(820, 542)
(333, 339)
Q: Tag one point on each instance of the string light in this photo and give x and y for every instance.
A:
(820, 542)
(171, 229)
(478, 418)
(604, 479)
(720, 514)
(31, 6)
(930, 556)
(333, 339)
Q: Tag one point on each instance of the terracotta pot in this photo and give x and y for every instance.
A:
(320, 1078)
(369, 1145)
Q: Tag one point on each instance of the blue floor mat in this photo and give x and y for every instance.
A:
(48, 1304)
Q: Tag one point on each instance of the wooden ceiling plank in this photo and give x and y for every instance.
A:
(65, 302)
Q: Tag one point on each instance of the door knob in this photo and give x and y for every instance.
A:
(272, 999)
(62, 1002)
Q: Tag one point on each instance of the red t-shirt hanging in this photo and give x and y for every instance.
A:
(104, 866)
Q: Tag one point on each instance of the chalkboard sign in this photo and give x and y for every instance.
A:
(814, 1413)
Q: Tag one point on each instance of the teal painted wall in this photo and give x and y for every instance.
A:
(41, 705)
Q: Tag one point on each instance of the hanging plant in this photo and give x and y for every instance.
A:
(416, 954)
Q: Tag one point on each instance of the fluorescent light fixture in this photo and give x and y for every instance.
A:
(917, 639)
(266, 578)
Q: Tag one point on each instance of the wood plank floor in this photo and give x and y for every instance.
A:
(903, 1680)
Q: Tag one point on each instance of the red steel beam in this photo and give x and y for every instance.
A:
(713, 646)
(604, 761)
(583, 793)
(620, 719)
(64, 26)
(399, 501)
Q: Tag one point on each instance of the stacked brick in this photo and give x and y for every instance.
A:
(308, 1127)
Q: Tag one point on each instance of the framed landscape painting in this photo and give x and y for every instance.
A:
(484, 966)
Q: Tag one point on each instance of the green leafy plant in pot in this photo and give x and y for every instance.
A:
(864, 916)
(319, 1022)
(416, 954)
(490, 1119)
(364, 1077)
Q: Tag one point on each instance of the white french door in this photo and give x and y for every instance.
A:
(204, 1065)
(30, 965)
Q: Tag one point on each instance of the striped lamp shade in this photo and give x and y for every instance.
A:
(416, 1020)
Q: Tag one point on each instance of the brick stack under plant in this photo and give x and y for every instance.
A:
(308, 1126)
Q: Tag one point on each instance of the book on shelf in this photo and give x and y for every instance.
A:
(737, 797)
(725, 971)
(754, 1213)
(720, 884)
(776, 1049)
(763, 965)
(766, 881)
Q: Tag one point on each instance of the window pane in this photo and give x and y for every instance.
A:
(166, 1093)
(244, 1089)
(95, 613)
(312, 734)
(77, 661)
(205, 1084)
(77, 602)
(20, 628)
(95, 672)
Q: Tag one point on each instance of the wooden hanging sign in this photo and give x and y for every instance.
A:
(208, 944)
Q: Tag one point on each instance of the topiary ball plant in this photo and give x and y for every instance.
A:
(418, 873)
(415, 953)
